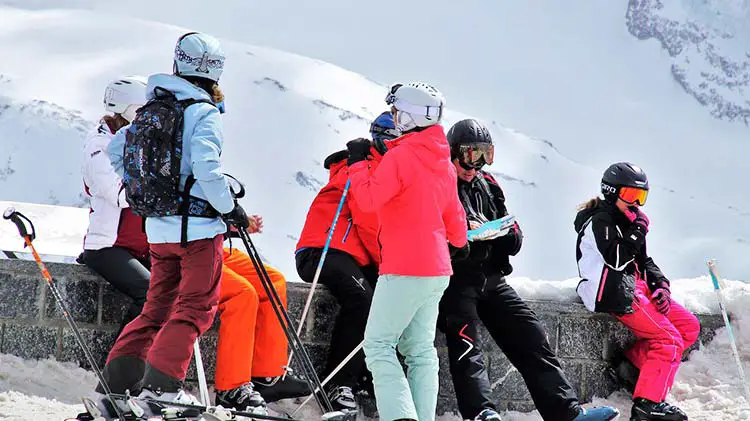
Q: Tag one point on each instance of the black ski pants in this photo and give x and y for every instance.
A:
(352, 286)
(126, 273)
(519, 334)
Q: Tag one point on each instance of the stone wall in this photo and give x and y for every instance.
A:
(32, 326)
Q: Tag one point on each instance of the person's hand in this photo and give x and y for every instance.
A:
(237, 217)
(459, 253)
(359, 149)
(255, 224)
(662, 299)
(473, 225)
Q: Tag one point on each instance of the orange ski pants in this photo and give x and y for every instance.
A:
(251, 340)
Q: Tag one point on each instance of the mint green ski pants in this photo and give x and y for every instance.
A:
(404, 313)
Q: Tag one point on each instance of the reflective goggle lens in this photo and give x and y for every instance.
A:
(476, 155)
(631, 195)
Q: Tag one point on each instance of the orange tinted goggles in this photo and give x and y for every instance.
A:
(630, 195)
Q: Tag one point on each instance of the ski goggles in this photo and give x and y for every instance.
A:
(384, 133)
(475, 155)
(631, 195)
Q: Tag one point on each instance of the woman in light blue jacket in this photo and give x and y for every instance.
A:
(154, 350)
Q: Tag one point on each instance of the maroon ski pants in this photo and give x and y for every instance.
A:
(181, 302)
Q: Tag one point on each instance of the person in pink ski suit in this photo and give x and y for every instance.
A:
(620, 278)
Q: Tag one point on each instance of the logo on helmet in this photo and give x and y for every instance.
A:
(607, 189)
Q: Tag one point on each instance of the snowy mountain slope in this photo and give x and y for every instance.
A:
(574, 74)
(285, 114)
(708, 43)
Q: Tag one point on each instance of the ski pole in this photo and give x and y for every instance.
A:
(319, 269)
(202, 385)
(17, 218)
(330, 376)
(286, 323)
(730, 333)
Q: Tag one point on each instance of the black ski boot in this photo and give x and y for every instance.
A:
(646, 410)
(342, 399)
(281, 387)
(243, 398)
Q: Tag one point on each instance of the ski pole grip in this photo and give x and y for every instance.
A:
(14, 216)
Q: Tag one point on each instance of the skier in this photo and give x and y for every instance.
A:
(478, 293)
(421, 225)
(153, 352)
(350, 268)
(115, 245)
(619, 277)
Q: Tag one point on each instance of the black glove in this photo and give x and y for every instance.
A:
(459, 253)
(359, 149)
(237, 217)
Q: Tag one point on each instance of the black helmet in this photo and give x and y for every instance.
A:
(619, 175)
(471, 132)
(468, 131)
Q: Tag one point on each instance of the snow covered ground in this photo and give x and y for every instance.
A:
(707, 386)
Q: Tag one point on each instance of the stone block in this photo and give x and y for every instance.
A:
(581, 337)
(208, 354)
(114, 305)
(99, 343)
(19, 296)
(573, 373)
(80, 296)
(29, 341)
(595, 382)
(551, 323)
(520, 406)
(618, 338)
(557, 307)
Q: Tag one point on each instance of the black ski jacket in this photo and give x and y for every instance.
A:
(483, 200)
(610, 258)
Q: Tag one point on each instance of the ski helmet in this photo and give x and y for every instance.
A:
(198, 55)
(124, 96)
(625, 181)
(416, 104)
(382, 129)
(471, 144)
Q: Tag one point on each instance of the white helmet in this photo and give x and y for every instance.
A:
(198, 55)
(417, 104)
(124, 96)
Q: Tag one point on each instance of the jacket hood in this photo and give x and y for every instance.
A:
(180, 87)
(431, 147)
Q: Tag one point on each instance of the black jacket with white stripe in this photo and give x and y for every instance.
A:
(611, 256)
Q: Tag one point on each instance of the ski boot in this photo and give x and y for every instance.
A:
(604, 413)
(243, 398)
(281, 387)
(488, 414)
(342, 399)
(646, 410)
(144, 409)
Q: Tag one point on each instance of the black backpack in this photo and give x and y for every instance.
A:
(151, 162)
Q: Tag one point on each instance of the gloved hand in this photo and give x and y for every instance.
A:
(638, 218)
(237, 217)
(359, 149)
(459, 253)
(662, 298)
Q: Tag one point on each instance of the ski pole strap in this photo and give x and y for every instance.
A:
(18, 218)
